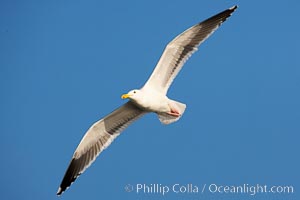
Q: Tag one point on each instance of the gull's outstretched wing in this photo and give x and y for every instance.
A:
(181, 48)
(96, 139)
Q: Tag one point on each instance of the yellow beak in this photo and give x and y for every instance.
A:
(125, 96)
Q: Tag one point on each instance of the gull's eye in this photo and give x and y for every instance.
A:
(134, 92)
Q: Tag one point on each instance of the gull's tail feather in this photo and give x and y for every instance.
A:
(167, 118)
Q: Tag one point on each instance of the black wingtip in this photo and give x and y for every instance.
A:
(59, 191)
(233, 7)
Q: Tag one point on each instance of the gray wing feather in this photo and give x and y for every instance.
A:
(97, 138)
(181, 48)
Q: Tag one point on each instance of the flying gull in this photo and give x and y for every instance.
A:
(150, 98)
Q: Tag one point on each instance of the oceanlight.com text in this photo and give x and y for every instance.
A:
(249, 189)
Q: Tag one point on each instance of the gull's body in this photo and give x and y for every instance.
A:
(152, 97)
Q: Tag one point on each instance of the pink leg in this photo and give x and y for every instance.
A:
(174, 112)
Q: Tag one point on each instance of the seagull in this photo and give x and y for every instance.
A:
(152, 97)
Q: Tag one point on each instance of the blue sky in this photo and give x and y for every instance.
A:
(65, 64)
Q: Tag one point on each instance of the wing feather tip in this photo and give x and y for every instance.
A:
(59, 191)
(233, 7)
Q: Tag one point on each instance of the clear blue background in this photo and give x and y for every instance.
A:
(65, 64)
